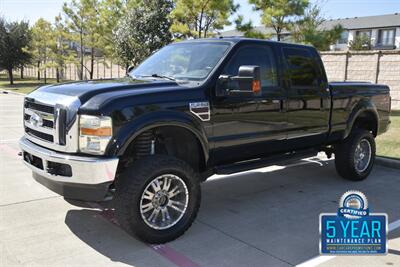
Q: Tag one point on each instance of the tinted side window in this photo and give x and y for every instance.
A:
(302, 67)
(254, 55)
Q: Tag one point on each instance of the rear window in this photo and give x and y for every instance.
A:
(303, 70)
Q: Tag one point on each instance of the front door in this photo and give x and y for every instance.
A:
(249, 126)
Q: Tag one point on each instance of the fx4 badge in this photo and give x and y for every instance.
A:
(201, 110)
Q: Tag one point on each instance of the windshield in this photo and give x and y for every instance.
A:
(182, 61)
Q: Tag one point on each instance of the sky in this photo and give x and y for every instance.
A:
(32, 10)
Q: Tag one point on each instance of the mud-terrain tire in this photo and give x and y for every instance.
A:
(355, 156)
(142, 190)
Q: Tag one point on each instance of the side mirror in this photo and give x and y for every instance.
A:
(246, 82)
(129, 69)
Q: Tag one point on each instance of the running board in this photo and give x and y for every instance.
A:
(264, 162)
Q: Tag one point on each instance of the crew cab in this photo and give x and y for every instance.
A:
(193, 109)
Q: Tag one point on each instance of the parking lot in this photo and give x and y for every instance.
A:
(263, 217)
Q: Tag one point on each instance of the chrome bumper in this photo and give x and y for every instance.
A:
(86, 172)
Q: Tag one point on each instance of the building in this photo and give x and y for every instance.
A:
(383, 31)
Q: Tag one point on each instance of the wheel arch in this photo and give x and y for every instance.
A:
(364, 116)
(184, 127)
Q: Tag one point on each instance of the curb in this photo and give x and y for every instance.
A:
(388, 162)
(3, 91)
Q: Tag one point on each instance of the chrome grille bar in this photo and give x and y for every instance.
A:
(37, 119)
(54, 124)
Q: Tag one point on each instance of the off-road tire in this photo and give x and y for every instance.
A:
(344, 155)
(129, 189)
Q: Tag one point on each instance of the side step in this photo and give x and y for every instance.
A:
(264, 162)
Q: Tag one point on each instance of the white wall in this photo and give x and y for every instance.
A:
(374, 36)
(397, 40)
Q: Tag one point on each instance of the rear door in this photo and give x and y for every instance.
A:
(308, 97)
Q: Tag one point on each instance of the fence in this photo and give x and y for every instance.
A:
(102, 69)
(372, 66)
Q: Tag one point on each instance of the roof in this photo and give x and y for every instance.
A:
(381, 21)
(238, 39)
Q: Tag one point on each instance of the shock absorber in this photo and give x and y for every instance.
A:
(144, 145)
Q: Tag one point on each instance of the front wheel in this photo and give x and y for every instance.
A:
(157, 199)
(355, 156)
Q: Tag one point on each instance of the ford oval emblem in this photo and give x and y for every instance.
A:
(36, 120)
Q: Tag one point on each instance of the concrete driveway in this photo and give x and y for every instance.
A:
(264, 217)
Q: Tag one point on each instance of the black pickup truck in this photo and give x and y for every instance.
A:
(191, 110)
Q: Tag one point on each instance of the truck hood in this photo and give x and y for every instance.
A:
(84, 90)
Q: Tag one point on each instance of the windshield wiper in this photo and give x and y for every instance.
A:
(155, 75)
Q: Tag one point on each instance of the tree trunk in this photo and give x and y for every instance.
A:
(278, 36)
(38, 70)
(45, 76)
(58, 75)
(22, 72)
(91, 63)
(10, 76)
(81, 74)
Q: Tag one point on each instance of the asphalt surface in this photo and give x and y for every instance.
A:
(264, 217)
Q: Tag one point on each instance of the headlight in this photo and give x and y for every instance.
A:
(95, 133)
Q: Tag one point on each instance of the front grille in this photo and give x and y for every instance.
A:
(39, 107)
(46, 123)
(40, 135)
(39, 121)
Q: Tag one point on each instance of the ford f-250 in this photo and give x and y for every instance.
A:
(193, 109)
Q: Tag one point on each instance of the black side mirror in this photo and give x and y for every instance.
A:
(246, 82)
(129, 69)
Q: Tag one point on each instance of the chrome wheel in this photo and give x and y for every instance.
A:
(164, 201)
(362, 155)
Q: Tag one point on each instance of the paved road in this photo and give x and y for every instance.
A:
(264, 217)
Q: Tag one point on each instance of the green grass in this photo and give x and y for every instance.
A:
(388, 144)
(24, 86)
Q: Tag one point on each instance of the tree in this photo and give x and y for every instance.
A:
(110, 11)
(309, 29)
(83, 20)
(199, 18)
(42, 42)
(279, 14)
(143, 30)
(60, 48)
(360, 42)
(15, 38)
(248, 29)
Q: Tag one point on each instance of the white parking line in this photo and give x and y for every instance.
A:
(321, 259)
(394, 225)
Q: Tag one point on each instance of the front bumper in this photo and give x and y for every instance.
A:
(75, 177)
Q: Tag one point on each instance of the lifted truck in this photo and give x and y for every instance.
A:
(193, 109)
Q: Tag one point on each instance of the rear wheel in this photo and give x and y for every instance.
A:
(355, 156)
(157, 198)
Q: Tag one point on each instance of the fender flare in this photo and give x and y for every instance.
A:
(362, 106)
(157, 119)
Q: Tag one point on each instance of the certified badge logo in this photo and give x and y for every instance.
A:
(353, 229)
(353, 205)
